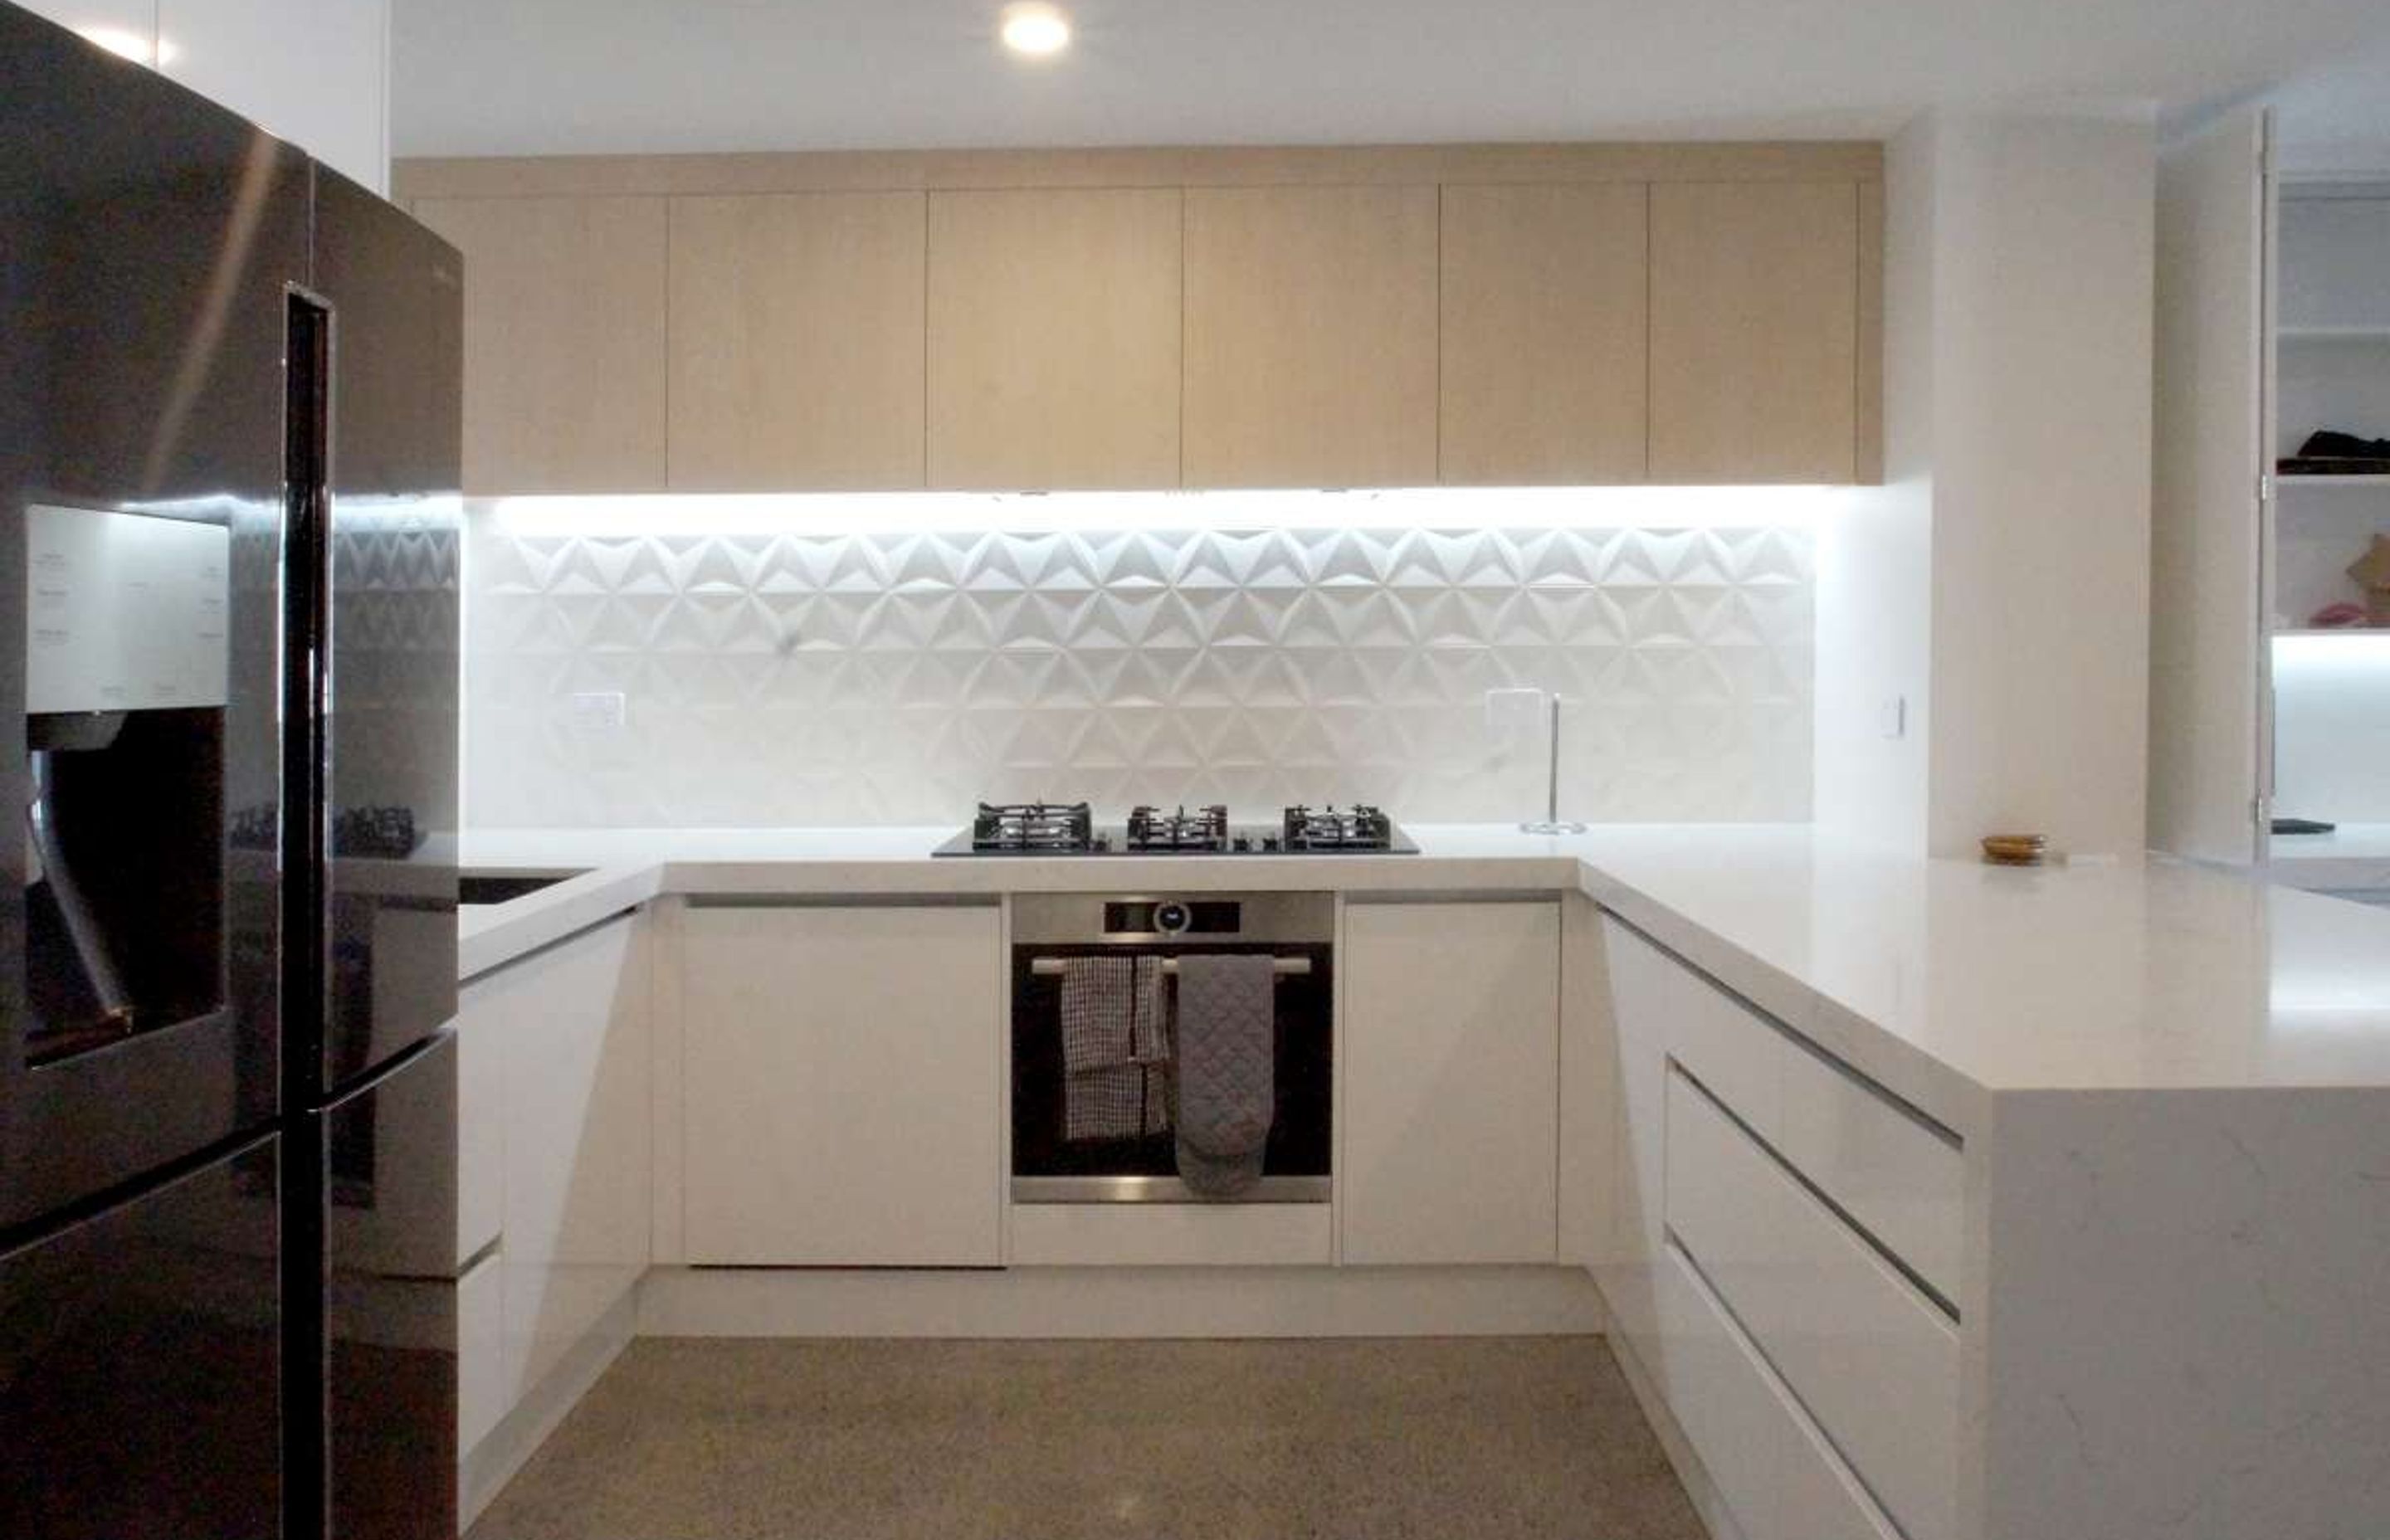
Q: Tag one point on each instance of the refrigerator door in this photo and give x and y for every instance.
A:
(374, 1415)
(389, 772)
(138, 1365)
(148, 238)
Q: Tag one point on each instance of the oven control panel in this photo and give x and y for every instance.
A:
(1173, 917)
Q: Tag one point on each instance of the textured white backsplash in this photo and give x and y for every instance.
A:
(787, 678)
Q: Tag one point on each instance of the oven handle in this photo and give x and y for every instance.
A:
(1285, 968)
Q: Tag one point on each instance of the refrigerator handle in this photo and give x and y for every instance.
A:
(306, 676)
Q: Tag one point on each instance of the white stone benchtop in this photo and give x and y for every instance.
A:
(1950, 982)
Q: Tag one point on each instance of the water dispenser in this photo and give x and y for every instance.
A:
(126, 683)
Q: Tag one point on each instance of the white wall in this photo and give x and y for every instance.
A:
(1875, 560)
(2041, 544)
(2018, 325)
(896, 659)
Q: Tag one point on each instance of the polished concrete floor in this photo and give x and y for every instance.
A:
(1462, 1440)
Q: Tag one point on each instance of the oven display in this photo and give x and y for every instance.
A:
(1173, 917)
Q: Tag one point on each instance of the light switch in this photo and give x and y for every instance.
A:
(1893, 716)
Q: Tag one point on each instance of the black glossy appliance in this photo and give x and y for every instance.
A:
(228, 522)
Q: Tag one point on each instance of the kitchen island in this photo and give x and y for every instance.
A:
(1910, 1186)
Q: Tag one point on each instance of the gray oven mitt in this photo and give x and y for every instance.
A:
(1228, 1081)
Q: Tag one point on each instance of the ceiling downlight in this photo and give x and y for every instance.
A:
(1035, 30)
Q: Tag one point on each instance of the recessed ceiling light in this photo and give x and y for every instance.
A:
(1036, 28)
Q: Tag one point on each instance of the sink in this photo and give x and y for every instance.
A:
(484, 888)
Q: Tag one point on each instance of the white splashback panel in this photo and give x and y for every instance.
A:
(785, 678)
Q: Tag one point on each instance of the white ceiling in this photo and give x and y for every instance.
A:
(483, 77)
(2337, 117)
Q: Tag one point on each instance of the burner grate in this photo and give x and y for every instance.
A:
(1034, 826)
(1359, 827)
(1206, 828)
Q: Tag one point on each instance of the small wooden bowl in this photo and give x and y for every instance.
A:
(2016, 850)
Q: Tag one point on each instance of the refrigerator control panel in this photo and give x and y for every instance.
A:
(126, 611)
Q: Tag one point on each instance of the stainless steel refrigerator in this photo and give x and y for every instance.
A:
(228, 588)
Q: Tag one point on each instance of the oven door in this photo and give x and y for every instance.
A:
(1049, 1168)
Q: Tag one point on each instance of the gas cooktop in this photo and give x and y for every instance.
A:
(1069, 829)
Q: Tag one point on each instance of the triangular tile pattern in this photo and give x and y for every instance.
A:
(798, 678)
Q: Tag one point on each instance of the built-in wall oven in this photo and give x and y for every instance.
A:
(1296, 929)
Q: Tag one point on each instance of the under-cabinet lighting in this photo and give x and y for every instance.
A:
(2358, 649)
(1068, 512)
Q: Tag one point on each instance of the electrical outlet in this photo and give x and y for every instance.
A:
(1516, 711)
(600, 711)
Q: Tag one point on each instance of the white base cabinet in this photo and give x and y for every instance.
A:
(1819, 1384)
(842, 1085)
(1450, 1070)
(554, 1134)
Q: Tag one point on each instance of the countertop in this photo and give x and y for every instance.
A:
(2351, 857)
(1950, 982)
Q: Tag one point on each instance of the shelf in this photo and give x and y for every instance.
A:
(2333, 334)
(2377, 481)
(2378, 632)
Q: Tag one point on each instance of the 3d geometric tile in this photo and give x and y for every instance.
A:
(895, 678)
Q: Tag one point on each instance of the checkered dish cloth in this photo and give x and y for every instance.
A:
(1115, 1049)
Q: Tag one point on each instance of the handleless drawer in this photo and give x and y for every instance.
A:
(1771, 1463)
(1867, 1355)
(481, 1352)
(1899, 1178)
(1735, 1053)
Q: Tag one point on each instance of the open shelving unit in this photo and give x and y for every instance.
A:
(2332, 369)
(2330, 688)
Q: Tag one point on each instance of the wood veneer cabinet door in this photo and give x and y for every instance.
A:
(1054, 324)
(1544, 334)
(1755, 331)
(1311, 335)
(564, 340)
(798, 326)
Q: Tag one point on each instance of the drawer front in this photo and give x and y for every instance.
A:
(1869, 1357)
(1905, 1183)
(480, 1128)
(1726, 1045)
(1776, 1471)
(480, 1352)
(1717, 1389)
(1899, 1179)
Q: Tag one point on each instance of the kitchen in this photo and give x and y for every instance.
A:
(1262, 786)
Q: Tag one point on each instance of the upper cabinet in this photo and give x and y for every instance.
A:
(1310, 335)
(1756, 309)
(564, 340)
(1544, 335)
(796, 343)
(1486, 315)
(316, 72)
(1054, 330)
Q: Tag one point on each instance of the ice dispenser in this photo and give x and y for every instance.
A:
(125, 688)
